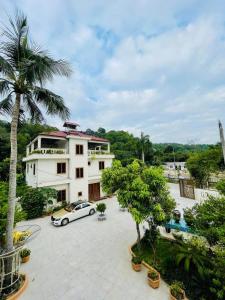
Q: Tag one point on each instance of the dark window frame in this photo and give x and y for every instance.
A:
(101, 165)
(61, 168)
(79, 149)
(79, 173)
(61, 195)
(34, 169)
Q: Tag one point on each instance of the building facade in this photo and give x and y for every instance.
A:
(69, 161)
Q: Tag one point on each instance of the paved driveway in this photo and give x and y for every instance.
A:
(87, 260)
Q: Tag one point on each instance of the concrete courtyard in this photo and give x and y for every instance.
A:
(88, 260)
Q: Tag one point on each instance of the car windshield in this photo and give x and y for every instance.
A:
(71, 206)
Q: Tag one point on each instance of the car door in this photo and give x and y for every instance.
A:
(85, 209)
(77, 212)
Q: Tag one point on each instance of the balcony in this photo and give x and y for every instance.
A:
(92, 154)
(48, 151)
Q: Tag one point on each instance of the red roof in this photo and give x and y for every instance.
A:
(64, 134)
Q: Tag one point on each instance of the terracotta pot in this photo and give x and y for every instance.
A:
(154, 283)
(136, 267)
(25, 259)
(174, 298)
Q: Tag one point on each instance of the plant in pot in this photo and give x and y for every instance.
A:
(177, 291)
(176, 215)
(153, 279)
(25, 255)
(189, 217)
(101, 207)
(136, 263)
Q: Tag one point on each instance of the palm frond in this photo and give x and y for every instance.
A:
(6, 105)
(52, 102)
(5, 67)
(4, 86)
(32, 108)
(38, 66)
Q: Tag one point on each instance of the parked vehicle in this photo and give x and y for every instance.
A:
(72, 212)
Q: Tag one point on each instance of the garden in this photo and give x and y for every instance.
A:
(192, 264)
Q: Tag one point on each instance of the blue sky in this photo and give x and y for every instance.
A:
(153, 66)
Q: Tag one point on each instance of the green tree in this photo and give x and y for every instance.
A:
(209, 219)
(202, 164)
(141, 189)
(24, 69)
(34, 200)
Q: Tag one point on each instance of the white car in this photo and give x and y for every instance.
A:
(72, 212)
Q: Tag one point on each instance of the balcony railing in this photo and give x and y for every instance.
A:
(48, 151)
(98, 152)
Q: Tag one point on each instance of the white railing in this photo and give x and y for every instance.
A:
(98, 152)
(48, 151)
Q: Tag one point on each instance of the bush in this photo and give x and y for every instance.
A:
(176, 290)
(34, 200)
(189, 217)
(25, 252)
(19, 214)
(101, 207)
(136, 260)
(153, 275)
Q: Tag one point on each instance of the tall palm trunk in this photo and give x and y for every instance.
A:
(143, 155)
(12, 175)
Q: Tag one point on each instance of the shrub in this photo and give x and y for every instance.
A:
(101, 207)
(34, 200)
(25, 252)
(188, 216)
(176, 290)
(136, 260)
(153, 275)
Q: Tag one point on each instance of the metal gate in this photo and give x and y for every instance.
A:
(187, 188)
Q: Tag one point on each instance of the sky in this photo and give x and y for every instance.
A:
(156, 66)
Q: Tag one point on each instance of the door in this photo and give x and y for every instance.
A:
(94, 191)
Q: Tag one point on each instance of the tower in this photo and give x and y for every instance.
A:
(222, 139)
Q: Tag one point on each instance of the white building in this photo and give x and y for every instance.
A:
(69, 161)
(175, 166)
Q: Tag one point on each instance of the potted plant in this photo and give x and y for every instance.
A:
(101, 207)
(136, 263)
(188, 217)
(25, 255)
(153, 279)
(176, 291)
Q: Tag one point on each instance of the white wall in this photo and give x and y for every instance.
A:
(47, 170)
(202, 195)
(31, 179)
(78, 161)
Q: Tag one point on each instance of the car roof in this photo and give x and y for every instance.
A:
(78, 202)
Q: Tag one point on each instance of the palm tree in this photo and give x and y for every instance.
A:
(144, 140)
(24, 68)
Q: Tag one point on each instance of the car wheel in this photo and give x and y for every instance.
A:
(91, 212)
(65, 222)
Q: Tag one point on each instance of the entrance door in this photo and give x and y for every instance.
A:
(94, 191)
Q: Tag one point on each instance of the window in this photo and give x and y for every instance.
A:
(79, 172)
(79, 149)
(61, 196)
(34, 169)
(101, 165)
(61, 168)
(27, 168)
(89, 163)
(79, 194)
(86, 205)
(78, 207)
